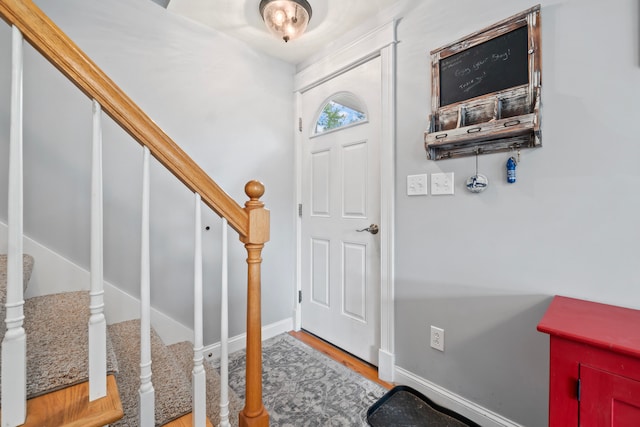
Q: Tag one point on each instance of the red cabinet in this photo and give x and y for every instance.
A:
(594, 364)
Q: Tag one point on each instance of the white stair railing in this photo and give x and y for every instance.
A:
(251, 223)
(146, 392)
(14, 344)
(199, 380)
(97, 322)
(224, 332)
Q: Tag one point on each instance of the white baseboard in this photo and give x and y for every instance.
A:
(239, 342)
(459, 404)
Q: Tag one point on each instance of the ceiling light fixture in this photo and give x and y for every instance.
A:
(286, 19)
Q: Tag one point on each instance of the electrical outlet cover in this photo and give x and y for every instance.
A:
(437, 338)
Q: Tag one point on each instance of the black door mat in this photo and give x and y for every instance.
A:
(403, 406)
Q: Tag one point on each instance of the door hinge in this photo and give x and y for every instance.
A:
(299, 297)
(578, 386)
(300, 124)
(300, 210)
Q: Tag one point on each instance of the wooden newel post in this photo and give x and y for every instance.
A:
(254, 413)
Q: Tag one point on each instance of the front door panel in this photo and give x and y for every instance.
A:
(340, 186)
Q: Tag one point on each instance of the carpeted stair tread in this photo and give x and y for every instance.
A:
(57, 342)
(172, 388)
(183, 352)
(27, 263)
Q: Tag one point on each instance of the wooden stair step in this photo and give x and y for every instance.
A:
(185, 421)
(70, 407)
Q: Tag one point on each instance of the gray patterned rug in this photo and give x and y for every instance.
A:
(303, 387)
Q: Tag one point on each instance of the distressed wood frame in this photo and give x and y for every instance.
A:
(499, 121)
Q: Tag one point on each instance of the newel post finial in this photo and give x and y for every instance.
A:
(254, 413)
(254, 189)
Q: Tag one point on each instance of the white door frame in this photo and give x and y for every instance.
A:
(379, 42)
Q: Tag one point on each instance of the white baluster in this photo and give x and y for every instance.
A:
(199, 383)
(146, 392)
(14, 365)
(224, 333)
(97, 323)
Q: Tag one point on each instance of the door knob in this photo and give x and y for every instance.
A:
(373, 229)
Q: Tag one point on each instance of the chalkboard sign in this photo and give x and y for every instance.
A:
(485, 90)
(497, 64)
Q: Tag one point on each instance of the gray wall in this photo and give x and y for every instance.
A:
(226, 105)
(485, 266)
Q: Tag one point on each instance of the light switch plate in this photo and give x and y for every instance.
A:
(442, 183)
(417, 185)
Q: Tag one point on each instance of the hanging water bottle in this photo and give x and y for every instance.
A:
(511, 170)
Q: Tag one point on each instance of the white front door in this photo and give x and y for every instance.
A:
(340, 195)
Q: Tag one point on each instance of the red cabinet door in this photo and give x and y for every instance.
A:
(608, 399)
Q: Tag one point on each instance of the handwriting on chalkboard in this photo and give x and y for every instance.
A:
(497, 64)
(459, 72)
(467, 86)
(477, 66)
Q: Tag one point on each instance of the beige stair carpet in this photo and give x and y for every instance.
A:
(57, 341)
(183, 352)
(172, 388)
(27, 263)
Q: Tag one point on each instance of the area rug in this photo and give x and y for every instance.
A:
(303, 387)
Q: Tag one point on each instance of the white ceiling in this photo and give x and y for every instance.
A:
(330, 20)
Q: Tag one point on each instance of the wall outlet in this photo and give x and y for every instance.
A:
(417, 185)
(437, 338)
(442, 183)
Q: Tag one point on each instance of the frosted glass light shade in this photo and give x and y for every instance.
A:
(286, 19)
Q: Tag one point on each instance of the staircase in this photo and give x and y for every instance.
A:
(98, 401)
(56, 328)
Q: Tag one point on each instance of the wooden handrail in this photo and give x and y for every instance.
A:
(251, 222)
(62, 53)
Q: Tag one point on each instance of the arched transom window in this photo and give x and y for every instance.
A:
(342, 109)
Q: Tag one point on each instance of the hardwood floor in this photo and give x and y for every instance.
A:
(363, 368)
